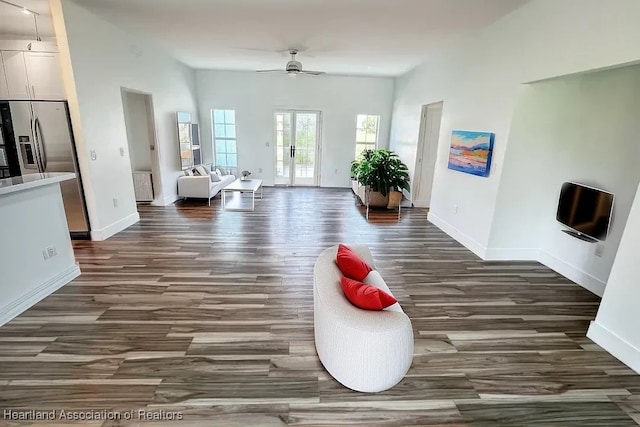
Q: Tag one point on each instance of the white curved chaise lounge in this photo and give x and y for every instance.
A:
(368, 351)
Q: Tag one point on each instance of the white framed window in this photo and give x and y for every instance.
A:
(366, 132)
(224, 137)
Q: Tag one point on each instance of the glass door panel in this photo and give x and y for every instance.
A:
(283, 127)
(305, 148)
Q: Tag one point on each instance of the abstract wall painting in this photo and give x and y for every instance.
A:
(471, 152)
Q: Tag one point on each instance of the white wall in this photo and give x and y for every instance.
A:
(135, 117)
(33, 220)
(580, 128)
(616, 325)
(255, 97)
(478, 79)
(98, 59)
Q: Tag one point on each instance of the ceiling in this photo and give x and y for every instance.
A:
(16, 24)
(362, 37)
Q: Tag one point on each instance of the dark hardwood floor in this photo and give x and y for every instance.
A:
(210, 313)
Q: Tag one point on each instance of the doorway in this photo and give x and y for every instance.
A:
(297, 145)
(427, 152)
(139, 121)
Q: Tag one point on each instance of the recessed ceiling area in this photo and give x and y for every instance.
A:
(359, 37)
(14, 24)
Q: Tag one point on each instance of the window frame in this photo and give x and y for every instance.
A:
(224, 138)
(366, 144)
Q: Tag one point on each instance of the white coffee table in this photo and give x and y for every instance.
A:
(241, 186)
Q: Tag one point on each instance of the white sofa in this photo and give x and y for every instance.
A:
(367, 351)
(201, 186)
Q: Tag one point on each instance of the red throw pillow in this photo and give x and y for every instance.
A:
(365, 296)
(351, 264)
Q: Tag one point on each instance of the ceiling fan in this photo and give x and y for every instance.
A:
(293, 67)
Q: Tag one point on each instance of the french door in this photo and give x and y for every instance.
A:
(297, 142)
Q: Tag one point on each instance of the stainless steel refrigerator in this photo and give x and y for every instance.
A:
(37, 138)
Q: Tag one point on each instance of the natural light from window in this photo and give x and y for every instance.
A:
(366, 133)
(224, 132)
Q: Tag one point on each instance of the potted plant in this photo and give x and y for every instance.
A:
(383, 172)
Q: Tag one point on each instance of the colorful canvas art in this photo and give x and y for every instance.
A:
(471, 152)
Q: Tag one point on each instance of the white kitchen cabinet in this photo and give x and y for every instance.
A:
(32, 76)
(16, 74)
(44, 76)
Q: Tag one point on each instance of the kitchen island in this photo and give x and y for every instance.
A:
(36, 256)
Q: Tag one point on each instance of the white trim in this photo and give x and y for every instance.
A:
(573, 273)
(14, 308)
(166, 201)
(428, 141)
(511, 254)
(615, 345)
(458, 235)
(116, 227)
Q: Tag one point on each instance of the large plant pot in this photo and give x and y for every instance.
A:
(395, 198)
(377, 200)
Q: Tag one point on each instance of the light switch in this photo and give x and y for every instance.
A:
(94, 156)
(122, 151)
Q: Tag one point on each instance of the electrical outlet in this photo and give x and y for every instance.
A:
(267, 144)
(599, 250)
(455, 209)
(94, 156)
(260, 170)
(49, 252)
(115, 203)
(336, 172)
(121, 151)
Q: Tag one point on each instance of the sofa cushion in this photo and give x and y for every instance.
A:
(351, 264)
(214, 177)
(365, 296)
(188, 172)
(201, 170)
(374, 278)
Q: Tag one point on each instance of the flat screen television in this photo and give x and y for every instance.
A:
(586, 210)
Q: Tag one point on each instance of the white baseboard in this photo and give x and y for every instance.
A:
(573, 273)
(171, 199)
(616, 346)
(116, 227)
(458, 235)
(421, 203)
(511, 254)
(165, 201)
(29, 299)
(579, 276)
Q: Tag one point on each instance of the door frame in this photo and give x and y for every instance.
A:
(427, 142)
(317, 175)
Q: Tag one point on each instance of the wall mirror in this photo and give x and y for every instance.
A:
(185, 141)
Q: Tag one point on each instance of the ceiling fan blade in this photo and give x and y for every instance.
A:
(313, 73)
(280, 70)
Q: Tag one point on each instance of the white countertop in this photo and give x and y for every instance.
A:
(25, 182)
